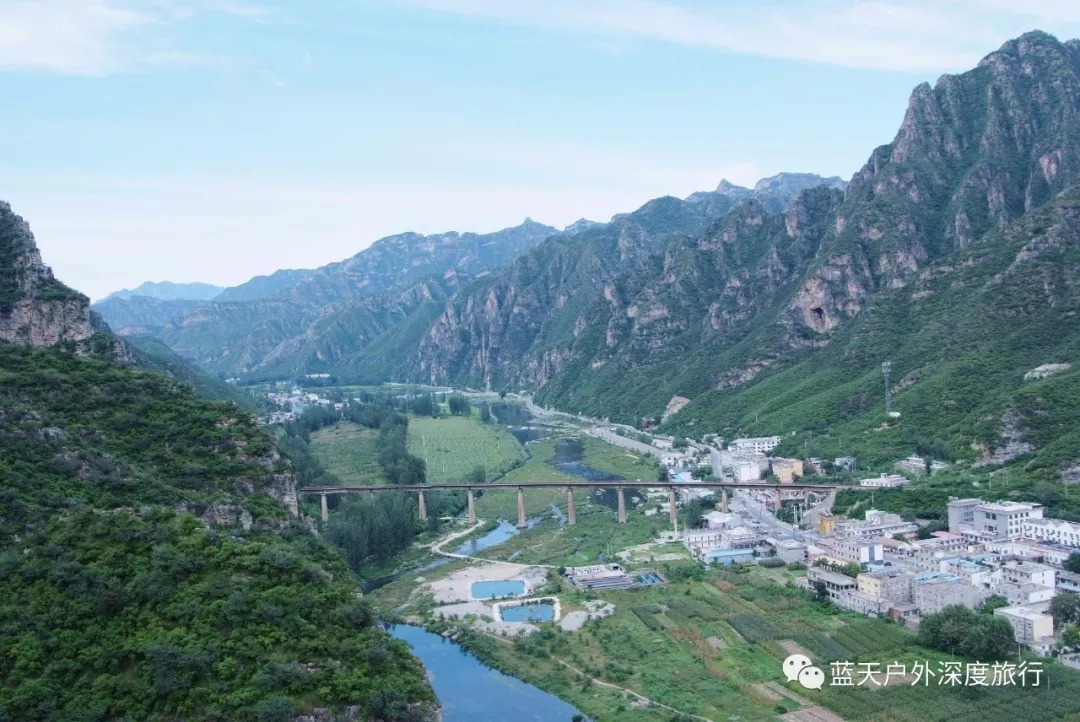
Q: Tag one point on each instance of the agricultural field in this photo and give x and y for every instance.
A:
(453, 446)
(349, 451)
(711, 642)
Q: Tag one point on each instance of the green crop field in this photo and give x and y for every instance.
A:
(453, 446)
(349, 452)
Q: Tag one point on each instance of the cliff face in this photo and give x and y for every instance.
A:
(625, 319)
(35, 308)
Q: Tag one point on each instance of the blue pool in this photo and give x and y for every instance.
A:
(542, 612)
(646, 579)
(487, 590)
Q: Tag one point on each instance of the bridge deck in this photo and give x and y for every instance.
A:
(572, 484)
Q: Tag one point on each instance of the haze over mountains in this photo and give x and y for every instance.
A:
(953, 236)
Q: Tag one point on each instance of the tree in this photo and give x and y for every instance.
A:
(478, 475)
(502, 394)
(958, 630)
(1072, 564)
(821, 592)
(988, 605)
(1070, 638)
(1065, 609)
(485, 413)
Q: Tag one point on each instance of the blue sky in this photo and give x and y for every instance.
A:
(213, 140)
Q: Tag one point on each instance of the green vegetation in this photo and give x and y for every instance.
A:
(350, 452)
(120, 602)
(958, 630)
(455, 446)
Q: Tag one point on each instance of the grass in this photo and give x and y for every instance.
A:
(350, 452)
(657, 644)
(453, 446)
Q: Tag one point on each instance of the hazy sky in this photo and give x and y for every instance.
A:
(213, 140)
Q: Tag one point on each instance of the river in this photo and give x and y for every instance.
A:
(469, 690)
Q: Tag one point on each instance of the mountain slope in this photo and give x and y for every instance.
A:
(153, 564)
(168, 291)
(143, 314)
(329, 316)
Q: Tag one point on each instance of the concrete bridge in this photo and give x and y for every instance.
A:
(780, 491)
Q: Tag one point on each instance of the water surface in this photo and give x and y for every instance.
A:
(469, 690)
(498, 589)
(542, 612)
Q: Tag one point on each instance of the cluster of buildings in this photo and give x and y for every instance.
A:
(1002, 548)
(748, 461)
(727, 540)
(293, 403)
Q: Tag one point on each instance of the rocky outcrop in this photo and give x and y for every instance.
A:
(35, 308)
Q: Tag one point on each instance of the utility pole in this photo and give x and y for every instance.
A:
(886, 367)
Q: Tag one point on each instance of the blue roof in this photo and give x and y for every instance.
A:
(726, 552)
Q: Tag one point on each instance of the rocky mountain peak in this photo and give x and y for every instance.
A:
(35, 308)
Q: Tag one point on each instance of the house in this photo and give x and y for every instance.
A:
(885, 481)
(739, 538)
(962, 513)
(876, 524)
(726, 556)
(845, 463)
(1005, 518)
(933, 591)
(720, 520)
(858, 551)
(835, 584)
(700, 540)
(760, 445)
(827, 524)
(1032, 627)
(1055, 531)
(891, 585)
(786, 470)
(788, 551)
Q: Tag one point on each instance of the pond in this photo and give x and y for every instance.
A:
(470, 690)
(496, 536)
(542, 612)
(498, 589)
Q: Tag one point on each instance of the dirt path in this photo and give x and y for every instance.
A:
(437, 548)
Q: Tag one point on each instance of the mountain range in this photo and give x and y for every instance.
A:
(769, 308)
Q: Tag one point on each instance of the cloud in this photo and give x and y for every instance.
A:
(100, 37)
(74, 37)
(907, 35)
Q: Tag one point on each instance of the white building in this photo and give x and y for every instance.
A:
(760, 445)
(700, 540)
(877, 523)
(962, 514)
(1055, 531)
(1005, 518)
(1032, 627)
(885, 481)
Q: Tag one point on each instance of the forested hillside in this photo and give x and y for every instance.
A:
(153, 564)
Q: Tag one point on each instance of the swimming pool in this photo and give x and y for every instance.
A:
(498, 589)
(646, 579)
(542, 612)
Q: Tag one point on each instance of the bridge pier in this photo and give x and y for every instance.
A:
(570, 506)
(423, 506)
(673, 509)
(723, 501)
(522, 524)
(325, 512)
(622, 504)
(472, 508)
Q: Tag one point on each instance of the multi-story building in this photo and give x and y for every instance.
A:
(891, 585)
(835, 584)
(1005, 518)
(857, 550)
(1055, 531)
(700, 540)
(876, 524)
(962, 514)
(760, 445)
(1031, 627)
(933, 591)
(788, 551)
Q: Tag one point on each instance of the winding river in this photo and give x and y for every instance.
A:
(469, 690)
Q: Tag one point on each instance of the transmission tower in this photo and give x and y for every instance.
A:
(886, 367)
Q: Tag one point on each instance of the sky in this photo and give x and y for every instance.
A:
(215, 140)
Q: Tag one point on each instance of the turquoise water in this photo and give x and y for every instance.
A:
(470, 691)
(487, 590)
(496, 536)
(528, 613)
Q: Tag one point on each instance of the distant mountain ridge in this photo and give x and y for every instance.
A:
(168, 291)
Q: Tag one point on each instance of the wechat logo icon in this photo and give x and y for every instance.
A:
(799, 667)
